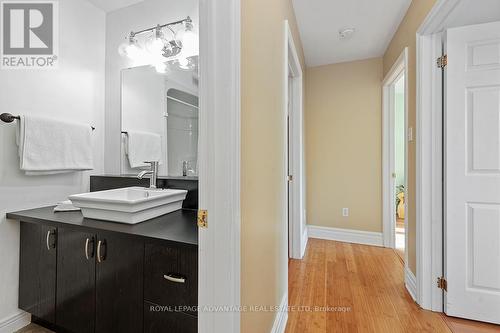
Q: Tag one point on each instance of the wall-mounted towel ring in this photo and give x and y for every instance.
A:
(8, 118)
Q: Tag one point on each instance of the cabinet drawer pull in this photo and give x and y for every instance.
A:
(87, 242)
(47, 240)
(100, 244)
(174, 278)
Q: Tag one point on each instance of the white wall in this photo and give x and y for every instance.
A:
(118, 25)
(75, 92)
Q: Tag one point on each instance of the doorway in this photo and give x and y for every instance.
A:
(294, 151)
(395, 157)
(399, 166)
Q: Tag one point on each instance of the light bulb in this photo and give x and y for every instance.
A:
(190, 44)
(130, 49)
(156, 43)
(188, 40)
(133, 51)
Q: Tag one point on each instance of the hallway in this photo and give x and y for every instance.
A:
(362, 286)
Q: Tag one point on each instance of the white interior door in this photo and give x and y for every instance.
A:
(472, 227)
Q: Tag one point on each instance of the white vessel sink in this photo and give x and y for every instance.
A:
(129, 205)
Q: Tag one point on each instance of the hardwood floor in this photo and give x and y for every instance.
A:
(363, 288)
(458, 325)
(400, 238)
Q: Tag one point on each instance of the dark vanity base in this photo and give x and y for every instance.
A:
(87, 276)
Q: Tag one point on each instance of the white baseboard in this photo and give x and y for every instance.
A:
(411, 283)
(279, 325)
(15, 322)
(346, 235)
(303, 243)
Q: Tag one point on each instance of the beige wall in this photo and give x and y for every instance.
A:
(343, 120)
(263, 240)
(406, 37)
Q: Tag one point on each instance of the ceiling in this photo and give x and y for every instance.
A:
(319, 22)
(112, 5)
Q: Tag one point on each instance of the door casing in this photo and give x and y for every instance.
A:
(294, 151)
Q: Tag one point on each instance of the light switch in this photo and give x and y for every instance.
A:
(345, 212)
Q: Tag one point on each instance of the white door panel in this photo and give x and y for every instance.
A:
(472, 162)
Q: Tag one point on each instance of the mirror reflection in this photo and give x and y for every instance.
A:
(159, 120)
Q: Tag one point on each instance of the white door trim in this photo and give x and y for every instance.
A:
(297, 223)
(400, 67)
(429, 173)
(219, 166)
(429, 247)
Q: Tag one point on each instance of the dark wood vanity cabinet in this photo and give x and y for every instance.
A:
(93, 281)
(75, 282)
(119, 283)
(99, 282)
(37, 271)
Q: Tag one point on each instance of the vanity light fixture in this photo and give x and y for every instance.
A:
(156, 49)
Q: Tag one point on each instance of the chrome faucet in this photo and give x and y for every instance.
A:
(153, 174)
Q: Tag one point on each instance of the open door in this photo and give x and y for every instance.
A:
(472, 166)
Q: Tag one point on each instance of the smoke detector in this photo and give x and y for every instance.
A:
(346, 33)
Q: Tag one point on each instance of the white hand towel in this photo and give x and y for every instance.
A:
(66, 206)
(143, 147)
(48, 146)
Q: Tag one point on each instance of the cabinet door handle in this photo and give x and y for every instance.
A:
(100, 244)
(174, 278)
(47, 240)
(87, 242)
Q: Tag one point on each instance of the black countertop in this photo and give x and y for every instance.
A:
(179, 226)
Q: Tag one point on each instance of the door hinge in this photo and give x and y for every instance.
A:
(442, 61)
(202, 218)
(442, 283)
(290, 178)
